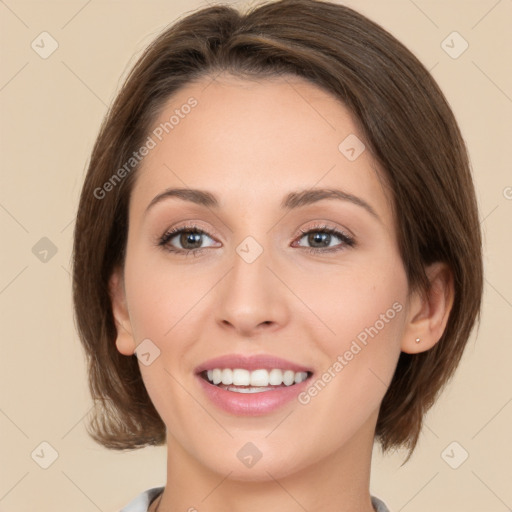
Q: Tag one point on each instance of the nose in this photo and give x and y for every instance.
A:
(251, 300)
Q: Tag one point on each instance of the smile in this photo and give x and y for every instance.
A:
(251, 385)
(240, 380)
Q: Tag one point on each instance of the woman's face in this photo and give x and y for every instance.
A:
(289, 270)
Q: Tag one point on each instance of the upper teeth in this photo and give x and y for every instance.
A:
(241, 377)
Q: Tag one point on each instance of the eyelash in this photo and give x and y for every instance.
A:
(163, 241)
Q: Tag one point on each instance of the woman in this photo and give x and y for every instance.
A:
(277, 257)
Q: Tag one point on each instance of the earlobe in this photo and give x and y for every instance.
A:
(429, 312)
(124, 341)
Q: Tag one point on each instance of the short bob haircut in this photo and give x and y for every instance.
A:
(407, 126)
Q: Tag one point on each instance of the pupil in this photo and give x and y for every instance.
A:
(319, 238)
(190, 237)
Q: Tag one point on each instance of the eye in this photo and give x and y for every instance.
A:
(324, 239)
(188, 239)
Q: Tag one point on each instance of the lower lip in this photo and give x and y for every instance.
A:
(251, 404)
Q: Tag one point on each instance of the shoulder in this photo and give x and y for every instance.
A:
(143, 500)
(379, 505)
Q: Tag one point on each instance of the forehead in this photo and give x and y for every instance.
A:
(248, 140)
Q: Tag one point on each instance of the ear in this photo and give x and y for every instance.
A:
(124, 341)
(429, 312)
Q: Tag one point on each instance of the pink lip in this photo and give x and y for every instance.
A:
(256, 362)
(251, 404)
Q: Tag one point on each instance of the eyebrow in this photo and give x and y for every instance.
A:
(291, 201)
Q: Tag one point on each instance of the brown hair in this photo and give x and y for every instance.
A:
(408, 126)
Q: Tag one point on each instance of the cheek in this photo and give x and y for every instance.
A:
(367, 317)
(160, 295)
(359, 327)
(360, 301)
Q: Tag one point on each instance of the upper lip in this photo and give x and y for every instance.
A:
(254, 362)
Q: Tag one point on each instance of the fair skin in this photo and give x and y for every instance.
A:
(250, 143)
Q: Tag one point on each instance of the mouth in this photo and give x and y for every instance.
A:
(252, 385)
(240, 380)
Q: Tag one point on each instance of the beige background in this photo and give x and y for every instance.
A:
(51, 111)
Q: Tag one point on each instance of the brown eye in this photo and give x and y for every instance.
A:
(185, 240)
(319, 239)
(324, 239)
(190, 239)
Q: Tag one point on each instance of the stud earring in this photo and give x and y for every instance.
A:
(417, 340)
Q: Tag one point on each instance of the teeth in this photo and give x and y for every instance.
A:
(217, 376)
(259, 378)
(255, 379)
(288, 378)
(241, 377)
(227, 376)
(275, 377)
(248, 390)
